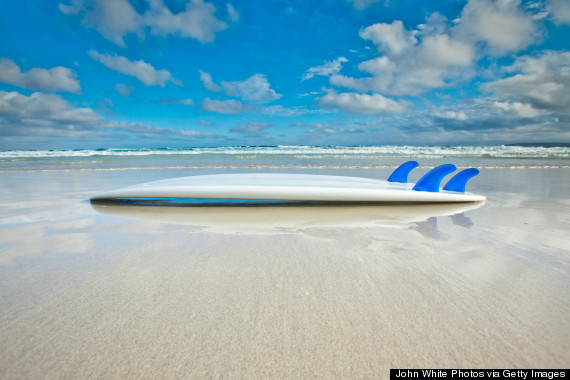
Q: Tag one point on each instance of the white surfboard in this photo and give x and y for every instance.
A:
(287, 187)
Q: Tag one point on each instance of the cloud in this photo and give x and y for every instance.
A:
(361, 103)
(476, 120)
(438, 53)
(361, 85)
(232, 13)
(56, 79)
(411, 62)
(389, 38)
(114, 19)
(229, 107)
(560, 11)
(254, 89)
(42, 114)
(124, 90)
(492, 119)
(278, 109)
(362, 4)
(198, 20)
(51, 116)
(205, 123)
(141, 70)
(327, 69)
(502, 24)
(106, 106)
(209, 84)
(542, 82)
(251, 128)
(516, 109)
(182, 102)
(452, 115)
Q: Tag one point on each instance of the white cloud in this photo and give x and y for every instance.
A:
(517, 109)
(452, 115)
(560, 11)
(40, 106)
(439, 52)
(209, 84)
(362, 4)
(182, 102)
(361, 103)
(197, 21)
(389, 38)
(124, 90)
(42, 114)
(543, 82)
(433, 63)
(141, 70)
(361, 85)
(55, 79)
(443, 51)
(251, 128)
(232, 13)
(254, 89)
(278, 109)
(411, 61)
(49, 115)
(229, 107)
(327, 69)
(502, 24)
(114, 19)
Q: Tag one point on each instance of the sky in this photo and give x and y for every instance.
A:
(85, 74)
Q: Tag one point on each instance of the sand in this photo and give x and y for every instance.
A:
(284, 292)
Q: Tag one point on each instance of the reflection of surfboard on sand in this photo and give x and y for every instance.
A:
(286, 217)
(229, 188)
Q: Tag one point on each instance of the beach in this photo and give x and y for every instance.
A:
(91, 291)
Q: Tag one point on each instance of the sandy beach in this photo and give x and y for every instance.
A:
(300, 280)
(280, 292)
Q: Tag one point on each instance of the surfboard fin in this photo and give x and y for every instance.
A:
(430, 182)
(401, 173)
(457, 183)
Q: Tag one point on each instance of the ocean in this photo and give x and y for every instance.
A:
(283, 157)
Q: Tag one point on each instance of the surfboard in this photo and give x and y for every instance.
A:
(307, 187)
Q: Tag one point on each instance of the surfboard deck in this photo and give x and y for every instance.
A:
(294, 187)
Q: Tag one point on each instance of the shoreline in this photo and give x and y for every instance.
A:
(274, 168)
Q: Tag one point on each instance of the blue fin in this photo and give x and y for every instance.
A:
(401, 173)
(430, 182)
(457, 183)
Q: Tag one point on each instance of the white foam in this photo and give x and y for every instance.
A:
(304, 151)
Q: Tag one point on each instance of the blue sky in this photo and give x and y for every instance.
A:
(174, 73)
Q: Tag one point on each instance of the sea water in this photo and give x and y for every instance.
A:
(284, 157)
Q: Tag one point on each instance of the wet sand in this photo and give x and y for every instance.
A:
(281, 292)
